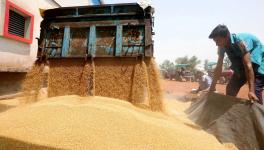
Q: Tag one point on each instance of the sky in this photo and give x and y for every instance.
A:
(182, 27)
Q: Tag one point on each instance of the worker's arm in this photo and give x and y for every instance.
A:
(203, 83)
(204, 90)
(249, 72)
(217, 72)
(199, 89)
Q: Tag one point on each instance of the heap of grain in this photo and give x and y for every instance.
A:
(131, 79)
(74, 122)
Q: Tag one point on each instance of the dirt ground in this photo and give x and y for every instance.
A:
(178, 89)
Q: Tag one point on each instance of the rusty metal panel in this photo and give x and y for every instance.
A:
(105, 41)
(78, 42)
(126, 10)
(148, 39)
(98, 23)
(101, 31)
(148, 33)
(96, 11)
(53, 42)
(133, 40)
(149, 51)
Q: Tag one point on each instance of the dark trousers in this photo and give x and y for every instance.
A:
(238, 80)
(259, 84)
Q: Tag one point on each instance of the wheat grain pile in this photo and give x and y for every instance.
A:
(73, 122)
(88, 121)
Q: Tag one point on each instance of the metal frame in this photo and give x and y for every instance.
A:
(118, 15)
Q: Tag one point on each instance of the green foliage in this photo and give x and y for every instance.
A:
(182, 60)
(170, 69)
(191, 62)
(167, 66)
(206, 65)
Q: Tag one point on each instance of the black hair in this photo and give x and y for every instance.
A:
(220, 30)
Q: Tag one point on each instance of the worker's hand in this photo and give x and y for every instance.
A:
(212, 89)
(206, 90)
(252, 96)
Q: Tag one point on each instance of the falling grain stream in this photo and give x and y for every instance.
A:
(131, 79)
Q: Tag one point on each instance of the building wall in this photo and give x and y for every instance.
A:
(17, 55)
(68, 3)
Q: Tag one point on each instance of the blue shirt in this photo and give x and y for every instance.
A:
(235, 54)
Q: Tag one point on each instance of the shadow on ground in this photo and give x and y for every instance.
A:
(4, 107)
(13, 144)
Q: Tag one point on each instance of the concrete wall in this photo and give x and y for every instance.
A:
(68, 3)
(15, 54)
(17, 57)
(2, 16)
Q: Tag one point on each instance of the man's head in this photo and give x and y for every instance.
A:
(220, 35)
(200, 73)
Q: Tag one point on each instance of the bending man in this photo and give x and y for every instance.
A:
(246, 54)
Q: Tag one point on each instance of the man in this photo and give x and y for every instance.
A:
(246, 54)
(182, 73)
(205, 82)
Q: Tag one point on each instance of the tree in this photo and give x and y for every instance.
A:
(182, 60)
(191, 62)
(206, 65)
(194, 61)
(167, 66)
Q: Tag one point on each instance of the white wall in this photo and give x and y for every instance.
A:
(2, 16)
(47, 4)
(67, 3)
(14, 54)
